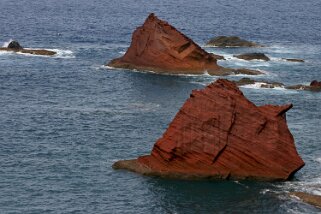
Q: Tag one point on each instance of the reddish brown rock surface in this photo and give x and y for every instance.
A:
(219, 134)
(157, 46)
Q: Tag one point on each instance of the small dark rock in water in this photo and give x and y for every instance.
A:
(252, 56)
(15, 45)
(314, 200)
(266, 84)
(314, 86)
(246, 71)
(230, 41)
(244, 81)
(315, 83)
(294, 60)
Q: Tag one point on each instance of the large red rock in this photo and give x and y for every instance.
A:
(157, 46)
(218, 133)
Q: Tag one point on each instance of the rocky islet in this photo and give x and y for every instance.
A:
(219, 134)
(14, 46)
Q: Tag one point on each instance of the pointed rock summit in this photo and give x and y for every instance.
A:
(159, 47)
(219, 134)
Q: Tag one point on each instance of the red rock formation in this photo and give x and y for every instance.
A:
(218, 133)
(159, 47)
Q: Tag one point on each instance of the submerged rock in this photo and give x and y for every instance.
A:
(159, 47)
(263, 83)
(247, 71)
(14, 46)
(230, 41)
(252, 56)
(219, 134)
(294, 60)
(314, 200)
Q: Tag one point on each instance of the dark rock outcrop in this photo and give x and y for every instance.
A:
(314, 200)
(14, 46)
(315, 83)
(265, 84)
(157, 46)
(219, 134)
(314, 86)
(252, 56)
(230, 41)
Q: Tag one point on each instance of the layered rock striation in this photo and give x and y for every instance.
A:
(159, 47)
(253, 56)
(219, 134)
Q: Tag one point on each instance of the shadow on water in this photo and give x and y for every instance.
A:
(176, 196)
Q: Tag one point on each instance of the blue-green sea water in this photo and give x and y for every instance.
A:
(64, 120)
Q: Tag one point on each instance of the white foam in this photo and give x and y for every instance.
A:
(312, 186)
(318, 160)
(258, 85)
(5, 44)
(63, 53)
(158, 73)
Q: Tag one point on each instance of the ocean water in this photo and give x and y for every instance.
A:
(65, 120)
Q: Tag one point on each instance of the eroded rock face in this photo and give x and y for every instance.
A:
(14, 46)
(252, 56)
(230, 41)
(219, 134)
(157, 46)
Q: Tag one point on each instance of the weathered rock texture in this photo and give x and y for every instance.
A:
(14, 46)
(219, 134)
(314, 200)
(157, 46)
(231, 41)
(252, 56)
